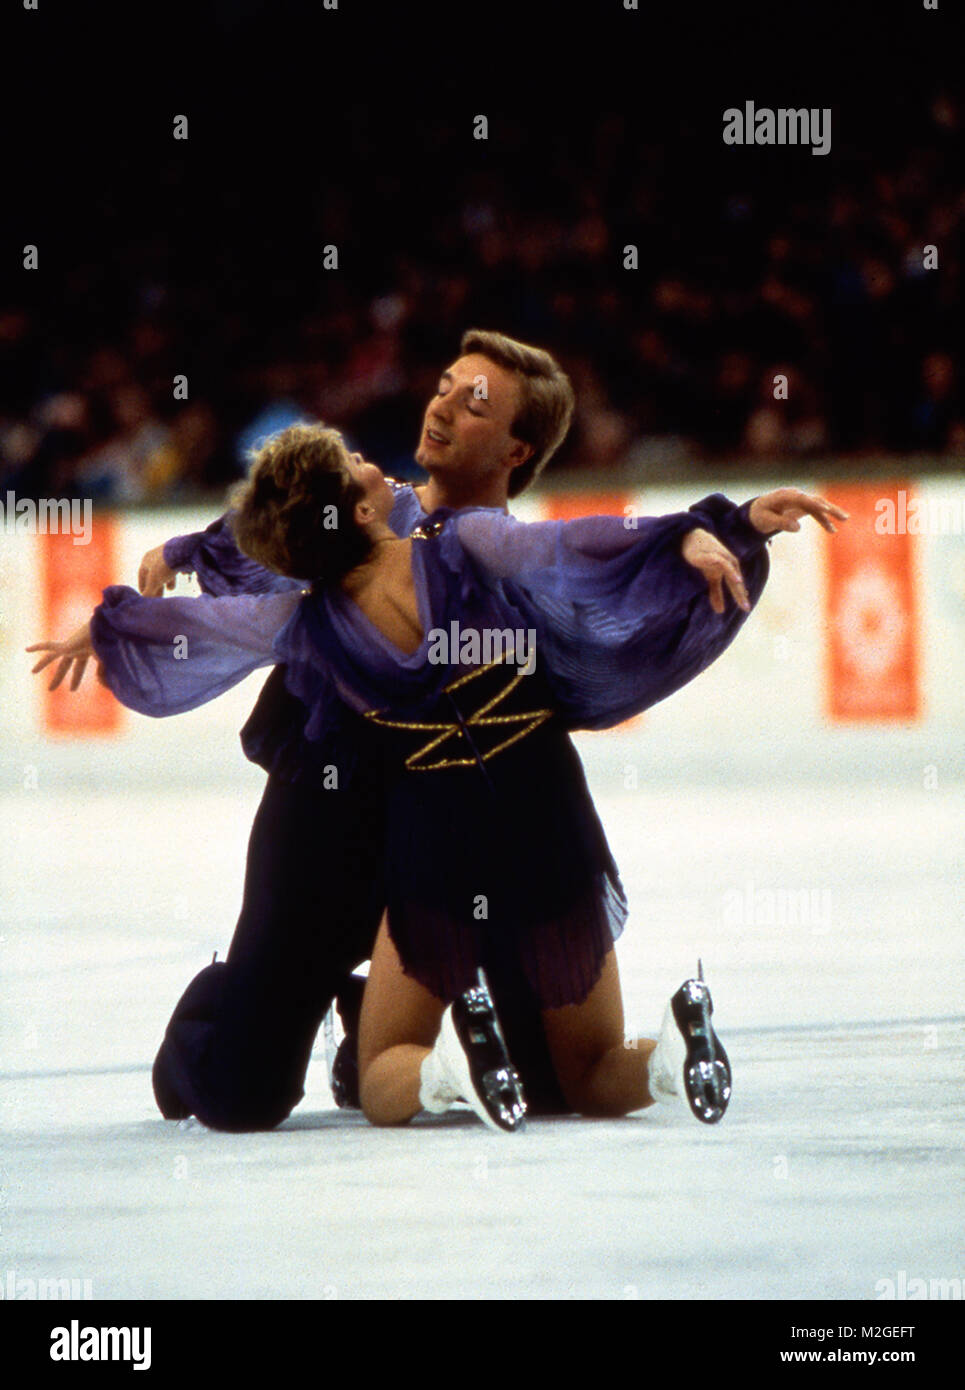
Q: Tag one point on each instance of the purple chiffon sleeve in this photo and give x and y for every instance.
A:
(221, 568)
(163, 656)
(621, 619)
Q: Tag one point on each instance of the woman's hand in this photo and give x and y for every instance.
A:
(782, 510)
(75, 652)
(717, 565)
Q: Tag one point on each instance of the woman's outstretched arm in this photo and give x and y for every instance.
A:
(163, 656)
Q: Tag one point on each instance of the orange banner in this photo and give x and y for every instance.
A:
(568, 506)
(871, 609)
(73, 577)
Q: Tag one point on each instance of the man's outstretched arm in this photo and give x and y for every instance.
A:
(739, 531)
(213, 556)
(222, 569)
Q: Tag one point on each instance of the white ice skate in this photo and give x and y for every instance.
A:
(689, 1062)
(469, 1062)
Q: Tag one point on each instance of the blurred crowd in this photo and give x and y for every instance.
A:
(782, 269)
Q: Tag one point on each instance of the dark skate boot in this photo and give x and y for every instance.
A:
(469, 1062)
(342, 1055)
(689, 1062)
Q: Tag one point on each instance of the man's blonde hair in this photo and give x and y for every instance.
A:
(546, 398)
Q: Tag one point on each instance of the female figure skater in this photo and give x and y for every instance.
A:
(432, 638)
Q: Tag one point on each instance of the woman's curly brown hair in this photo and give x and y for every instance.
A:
(294, 513)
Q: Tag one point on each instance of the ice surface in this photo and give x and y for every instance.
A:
(829, 914)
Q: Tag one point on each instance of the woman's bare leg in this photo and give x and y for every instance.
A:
(398, 1025)
(599, 1073)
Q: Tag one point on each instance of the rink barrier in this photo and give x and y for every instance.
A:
(862, 629)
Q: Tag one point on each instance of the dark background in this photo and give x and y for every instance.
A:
(354, 127)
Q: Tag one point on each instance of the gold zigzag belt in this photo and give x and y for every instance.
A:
(459, 727)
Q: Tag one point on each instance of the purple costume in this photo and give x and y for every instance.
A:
(489, 853)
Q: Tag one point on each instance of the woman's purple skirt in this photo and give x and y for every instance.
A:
(495, 856)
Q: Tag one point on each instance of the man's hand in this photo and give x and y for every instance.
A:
(75, 652)
(782, 510)
(155, 575)
(717, 565)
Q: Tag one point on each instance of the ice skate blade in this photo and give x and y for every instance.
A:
(706, 1072)
(708, 1089)
(498, 1100)
(504, 1098)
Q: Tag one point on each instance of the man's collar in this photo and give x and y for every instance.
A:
(466, 506)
